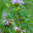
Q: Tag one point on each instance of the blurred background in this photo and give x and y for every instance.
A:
(16, 18)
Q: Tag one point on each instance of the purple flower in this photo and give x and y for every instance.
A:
(17, 1)
(24, 30)
(21, 2)
(14, 1)
(16, 28)
(3, 15)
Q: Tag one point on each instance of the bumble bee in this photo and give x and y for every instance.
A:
(8, 23)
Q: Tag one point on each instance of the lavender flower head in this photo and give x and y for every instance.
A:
(16, 28)
(4, 14)
(17, 1)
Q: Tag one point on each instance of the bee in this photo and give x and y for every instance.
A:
(8, 23)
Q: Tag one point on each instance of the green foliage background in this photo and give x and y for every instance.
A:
(25, 14)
